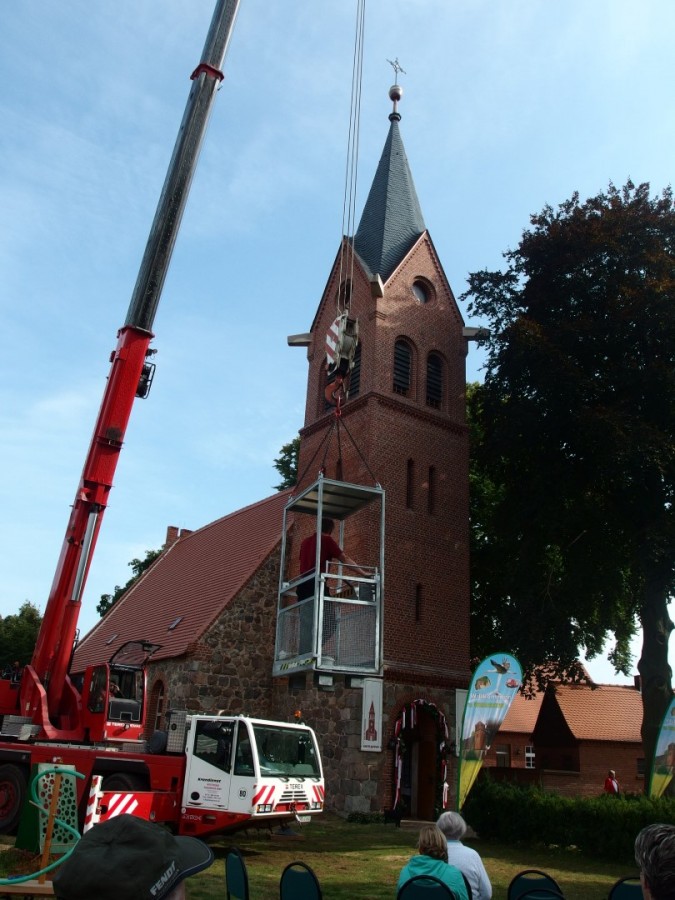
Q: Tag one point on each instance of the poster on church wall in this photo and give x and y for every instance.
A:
(492, 689)
(664, 755)
(371, 714)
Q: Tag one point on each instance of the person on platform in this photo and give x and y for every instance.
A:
(433, 860)
(611, 784)
(655, 858)
(465, 859)
(329, 550)
(131, 858)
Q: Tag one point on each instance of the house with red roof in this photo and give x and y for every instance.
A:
(568, 737)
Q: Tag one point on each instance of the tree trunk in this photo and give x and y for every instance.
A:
(655, 672)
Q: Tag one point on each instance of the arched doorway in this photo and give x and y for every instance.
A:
(420, 735)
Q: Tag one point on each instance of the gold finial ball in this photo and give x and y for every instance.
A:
(395, 92)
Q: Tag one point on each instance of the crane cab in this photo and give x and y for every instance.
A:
(114, 695)
(331, 620)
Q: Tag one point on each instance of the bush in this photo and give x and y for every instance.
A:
(605, 826)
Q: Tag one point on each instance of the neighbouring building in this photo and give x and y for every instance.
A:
(568, 737)
(210, 599)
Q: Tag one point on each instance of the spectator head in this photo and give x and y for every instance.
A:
(131, 858)
(327, 526)
(432, 842)
(655, 857)
(452, 825)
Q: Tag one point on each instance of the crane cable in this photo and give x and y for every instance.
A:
(346, 270)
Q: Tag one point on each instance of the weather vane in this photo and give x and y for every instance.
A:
(397, 67)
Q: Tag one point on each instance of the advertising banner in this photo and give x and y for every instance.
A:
(492, 689)
(664, 755)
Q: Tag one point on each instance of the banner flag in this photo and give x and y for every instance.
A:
(664, 755)
(492, 689)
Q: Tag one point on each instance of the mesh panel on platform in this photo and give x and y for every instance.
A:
(349, 632)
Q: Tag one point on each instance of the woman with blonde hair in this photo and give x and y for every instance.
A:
(433, 860)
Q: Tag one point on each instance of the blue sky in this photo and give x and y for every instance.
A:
(506, 107)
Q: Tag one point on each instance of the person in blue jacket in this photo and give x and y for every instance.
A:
(433, 860)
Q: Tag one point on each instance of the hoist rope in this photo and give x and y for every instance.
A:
(346, 270)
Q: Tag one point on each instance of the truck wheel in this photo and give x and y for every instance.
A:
(125, 781)
(12, 797)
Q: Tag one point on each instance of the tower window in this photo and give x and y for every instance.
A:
(355, 377)
(421, 291)
(345, 294)
(402, 368)
(410, 484)
(434, 380)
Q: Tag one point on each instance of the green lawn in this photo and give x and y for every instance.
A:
(362, 862)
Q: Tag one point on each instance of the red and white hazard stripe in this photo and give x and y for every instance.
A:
(92, 814)
(332, 337)
(264, 795)
(118, 804)
(319, 793)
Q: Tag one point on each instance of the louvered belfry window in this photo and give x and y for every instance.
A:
(434, 380)
(355, 376)
(402, 368)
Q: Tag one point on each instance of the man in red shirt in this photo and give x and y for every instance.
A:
(329, 550)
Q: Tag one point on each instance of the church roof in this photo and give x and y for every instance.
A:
(392, 218)
(189, 585)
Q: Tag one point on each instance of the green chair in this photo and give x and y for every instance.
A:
(526, 884)
(298, 882)
(425, 887)
(236, 876)
(628, 888)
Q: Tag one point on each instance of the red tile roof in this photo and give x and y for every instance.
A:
(522, 714)
(611, 712)
(194, 578)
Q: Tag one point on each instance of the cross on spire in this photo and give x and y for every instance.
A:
(397, 67)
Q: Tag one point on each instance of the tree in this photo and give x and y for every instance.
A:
(18, 635)
(574, 426)
(138, 566)
(287, 464)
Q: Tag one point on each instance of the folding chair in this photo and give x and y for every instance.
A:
(425, 887)
(628, 888)
(298, 882)
(529, 880)
(236, 876)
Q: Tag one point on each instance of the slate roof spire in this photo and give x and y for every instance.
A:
(392, 218)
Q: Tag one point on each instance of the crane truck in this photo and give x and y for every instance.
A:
(206, 773)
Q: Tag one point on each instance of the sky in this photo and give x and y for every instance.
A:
(506, 107)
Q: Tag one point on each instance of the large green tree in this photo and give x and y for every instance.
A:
(574, 439)
(18, 634)
(286, 464)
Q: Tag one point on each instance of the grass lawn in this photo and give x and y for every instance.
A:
(362, 862)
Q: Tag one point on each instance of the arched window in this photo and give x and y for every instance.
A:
(410, 484)
(355, 376)
(402, 368)
(431, 495)
(434, 380)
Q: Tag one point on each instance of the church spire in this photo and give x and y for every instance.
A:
(392, 218)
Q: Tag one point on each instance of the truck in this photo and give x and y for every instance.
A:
(205, 773)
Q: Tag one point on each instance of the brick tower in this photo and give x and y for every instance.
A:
(402, 426)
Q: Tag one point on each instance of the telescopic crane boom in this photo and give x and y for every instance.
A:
(47, 695)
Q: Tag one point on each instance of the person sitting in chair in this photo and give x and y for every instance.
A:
(433, 860)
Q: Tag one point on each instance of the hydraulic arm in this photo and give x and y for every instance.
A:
(46, 693)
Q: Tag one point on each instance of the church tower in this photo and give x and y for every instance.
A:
(402, 426)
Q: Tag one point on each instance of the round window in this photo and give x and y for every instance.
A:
(421, 292)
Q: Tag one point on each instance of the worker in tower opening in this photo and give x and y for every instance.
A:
(329, 550)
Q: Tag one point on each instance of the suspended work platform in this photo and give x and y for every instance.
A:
(331, 620)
